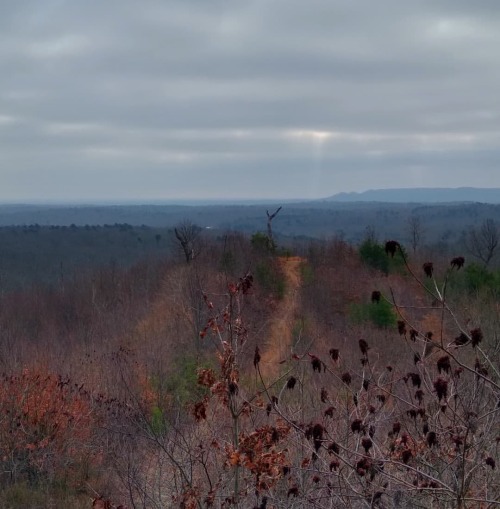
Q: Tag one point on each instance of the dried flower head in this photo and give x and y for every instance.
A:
(334, 465)
(431, 439)
(362, 466)
(416, 379)
(490, 462)
(256, 357)
(317, 431)
(476, 336)
(363, 346)
(406, 456)
(457, 262)
(391, 247)
(233, 388)
(246, 283)
(441, 388)
(200, 411)
(428, 268)
(367, 444)
(401, 327)
(316, 364)
(334, 354)
(461, 340)
(412, 413)
(443, 364)
(356, 425)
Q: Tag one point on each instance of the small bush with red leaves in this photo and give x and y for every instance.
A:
(46, 427)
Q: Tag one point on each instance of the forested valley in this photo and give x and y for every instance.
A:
(149, 366)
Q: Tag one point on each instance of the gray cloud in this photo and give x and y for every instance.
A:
(164, 99)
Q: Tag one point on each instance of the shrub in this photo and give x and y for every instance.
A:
(381, 314)
(477, 278)
(158, 423)
(46, 429)
(374, 255)
(262, 243)
(180, 385)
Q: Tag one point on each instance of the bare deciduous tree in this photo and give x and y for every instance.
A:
(482, 242)
(415, 231)
(187, 234)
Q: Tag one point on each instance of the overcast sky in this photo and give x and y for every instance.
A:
(207, 99)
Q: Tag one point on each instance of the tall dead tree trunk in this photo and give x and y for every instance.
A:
(270, 217)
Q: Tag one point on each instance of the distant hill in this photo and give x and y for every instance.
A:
(422, 195)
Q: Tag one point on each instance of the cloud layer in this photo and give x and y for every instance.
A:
(123, 100)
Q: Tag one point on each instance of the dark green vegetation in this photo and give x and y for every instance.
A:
(56, 254)
(374, 255)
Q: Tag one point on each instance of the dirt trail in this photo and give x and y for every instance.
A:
(279, 340)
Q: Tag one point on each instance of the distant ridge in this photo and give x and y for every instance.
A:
(422, 195)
